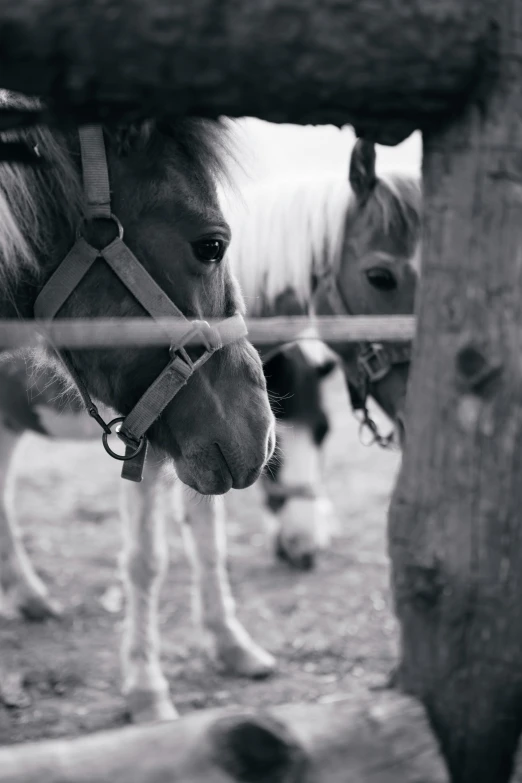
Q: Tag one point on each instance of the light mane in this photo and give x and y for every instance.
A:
(32, 197)
(287, 233)
(284, 234)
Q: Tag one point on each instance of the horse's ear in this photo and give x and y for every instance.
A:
(257, 749)
(362, 169)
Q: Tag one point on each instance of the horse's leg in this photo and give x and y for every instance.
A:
(214, 607)
(144, 561)
(22, 592)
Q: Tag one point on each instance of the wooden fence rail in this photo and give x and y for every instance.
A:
(106, 332)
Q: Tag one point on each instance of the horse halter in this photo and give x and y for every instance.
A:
(132, 428)
(374, 361)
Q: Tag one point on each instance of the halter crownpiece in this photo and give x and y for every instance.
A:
(132, 428)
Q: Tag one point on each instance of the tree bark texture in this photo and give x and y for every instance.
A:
(387, 68)
(455, 526)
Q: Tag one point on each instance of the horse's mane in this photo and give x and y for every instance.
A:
(395, 206)
(284, 233)
(31, 196)
(34, 198)
(289, 233)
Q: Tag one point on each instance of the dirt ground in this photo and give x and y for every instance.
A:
(331, 629)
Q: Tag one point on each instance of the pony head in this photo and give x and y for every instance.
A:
(335, 245)
(293, 481)
(375, 271)
(219, 428)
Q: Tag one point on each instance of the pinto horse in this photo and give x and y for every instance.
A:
(330, 247)
(297, 506)
(371, 258)
(125, 221)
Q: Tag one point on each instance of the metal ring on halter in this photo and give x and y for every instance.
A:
(89, 220)
(125, 457)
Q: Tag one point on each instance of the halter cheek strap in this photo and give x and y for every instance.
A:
(132, 429)
(372, 362)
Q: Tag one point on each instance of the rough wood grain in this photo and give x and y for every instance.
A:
(455, 522)
(369, 738)
(100, 332)
(386, 67)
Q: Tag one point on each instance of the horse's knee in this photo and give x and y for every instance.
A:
(144, 568)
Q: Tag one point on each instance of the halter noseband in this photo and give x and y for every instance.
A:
(374, 361)
(132, 428)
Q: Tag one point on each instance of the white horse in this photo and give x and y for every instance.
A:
(338, 246)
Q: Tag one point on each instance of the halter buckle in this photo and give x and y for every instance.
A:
(210, 340)
(373, 361)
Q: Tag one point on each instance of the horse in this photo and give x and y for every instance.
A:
(124, 220)
(326, 246)
(369, 264)
(381, 221)
(297, 506)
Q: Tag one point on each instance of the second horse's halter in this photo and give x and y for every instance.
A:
(132, 429)
(373, 362)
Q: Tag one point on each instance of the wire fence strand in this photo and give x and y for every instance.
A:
(120, 332)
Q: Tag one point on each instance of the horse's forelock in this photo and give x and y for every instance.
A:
(393, 210)
(210, 146)
(396, 204)
(32, 199)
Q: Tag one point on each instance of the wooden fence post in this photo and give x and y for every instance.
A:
(455, 525)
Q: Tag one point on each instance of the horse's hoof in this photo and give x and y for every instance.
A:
(28, 605)
(252, 661)
(146, 706)
(38, 609)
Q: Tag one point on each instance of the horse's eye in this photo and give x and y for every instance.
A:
(209, 251)
(381, 278)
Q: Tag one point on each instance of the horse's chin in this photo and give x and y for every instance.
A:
(208, 477)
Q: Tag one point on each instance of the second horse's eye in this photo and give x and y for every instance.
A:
(381, 278)
(209, 251)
